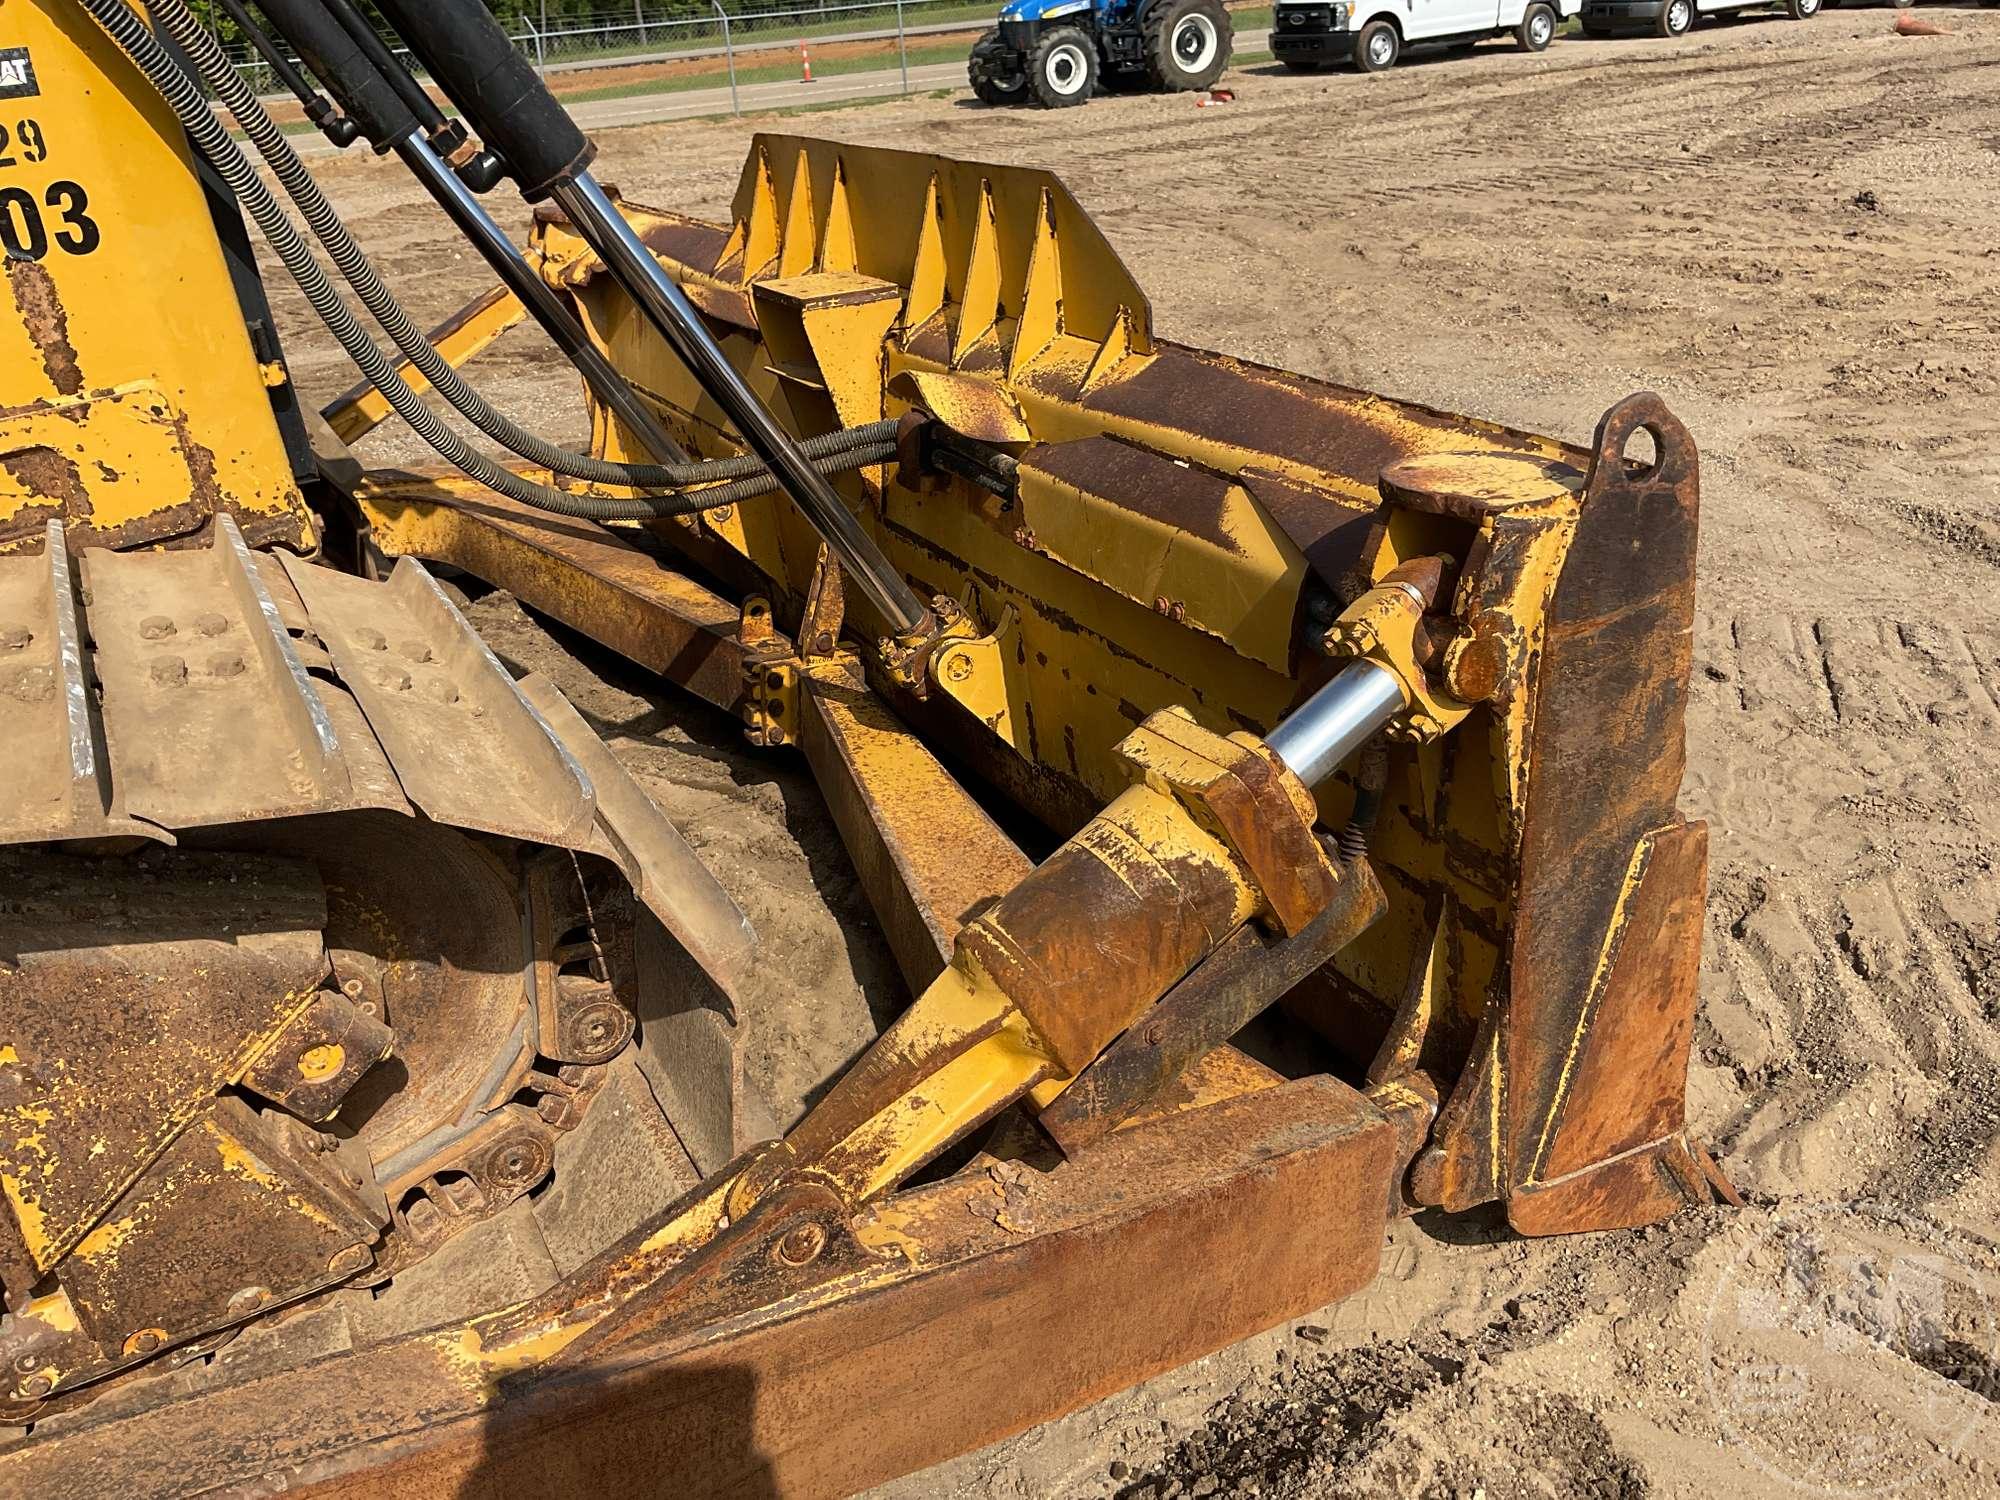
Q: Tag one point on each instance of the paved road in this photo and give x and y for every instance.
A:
(688, 104)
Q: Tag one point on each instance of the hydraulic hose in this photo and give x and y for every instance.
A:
(353, 265)
(209, 138)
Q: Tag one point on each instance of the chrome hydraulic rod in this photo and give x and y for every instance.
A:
(1337, 720)
(667, 308)
(465, 210)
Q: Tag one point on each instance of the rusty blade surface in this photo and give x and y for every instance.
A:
(468, 748)
(1175, 1239)
(1604, 774)
(664, 872)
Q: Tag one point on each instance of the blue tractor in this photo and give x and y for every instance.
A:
(1060, 52)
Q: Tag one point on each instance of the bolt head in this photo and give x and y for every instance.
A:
(354, 1258)
(801, 1246)
(169, 671)
(36, 1386)
(15, 637)
(156, 628)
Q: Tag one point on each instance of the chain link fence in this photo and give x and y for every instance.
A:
(662, 46)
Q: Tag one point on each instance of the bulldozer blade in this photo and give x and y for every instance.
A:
(1172, 1238)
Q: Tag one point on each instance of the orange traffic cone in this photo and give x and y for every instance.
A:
(805, 64)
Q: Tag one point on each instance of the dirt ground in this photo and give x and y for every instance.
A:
(1792, 232)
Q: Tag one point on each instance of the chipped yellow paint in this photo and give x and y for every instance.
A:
(104, 1242)
(30, 1221)
(885, 1229)
(480, 1369)
(238, 1161)
(53, 1311)
(322, 1061)
(8, 1054)
(695, 1226)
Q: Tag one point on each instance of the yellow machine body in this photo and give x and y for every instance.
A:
(133, 405)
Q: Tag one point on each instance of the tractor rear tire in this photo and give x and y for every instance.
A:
(1062, 68)
(1538, 27)
(995, 71)
(1187, 43)
(1378, 47)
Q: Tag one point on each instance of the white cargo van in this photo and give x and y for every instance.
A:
(1373, 33)
(1677, 17)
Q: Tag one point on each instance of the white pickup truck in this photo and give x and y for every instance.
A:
(1373, 33)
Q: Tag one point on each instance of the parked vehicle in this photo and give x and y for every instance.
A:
(1373, 33)
(1060, 52)
(1603, 18)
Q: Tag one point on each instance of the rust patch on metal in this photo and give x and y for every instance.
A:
(688, 241)
(205, 492)
(1472, 486)
(1269, 411)
(47, 322)
(1250, 1210)
(1339, 539)
(1149, 484)
(1628, 1085)
(48, 475)
(1222, 995)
